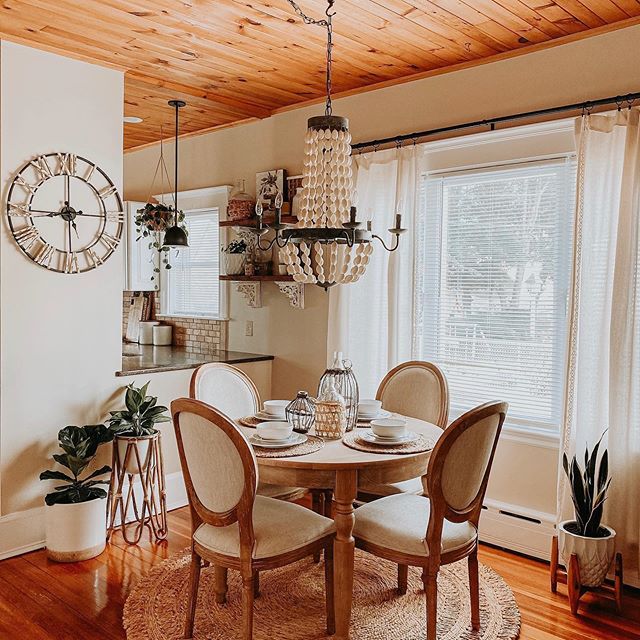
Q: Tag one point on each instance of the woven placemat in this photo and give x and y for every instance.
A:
(312, 445)
(353, 441)
(250, 421)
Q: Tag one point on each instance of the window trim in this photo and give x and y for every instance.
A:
(223, 309)
(514, 429)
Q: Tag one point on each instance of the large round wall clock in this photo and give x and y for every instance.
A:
(65, 213)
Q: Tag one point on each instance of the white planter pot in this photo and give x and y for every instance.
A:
(594, 554)
(144, 452)
(234, 263)
(76, 531)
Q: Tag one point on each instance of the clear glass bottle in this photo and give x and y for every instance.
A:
(241, 204)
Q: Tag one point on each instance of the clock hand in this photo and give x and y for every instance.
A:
(75, 228)
(69, 230)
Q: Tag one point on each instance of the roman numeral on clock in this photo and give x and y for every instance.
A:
(115, 216)
(92, 257)
(109, 241)
(26, 237)
(31, 188)
(44, 255)
(105, 192)
(71, 262)
(19, 210)
(67, 164)
(42, 167)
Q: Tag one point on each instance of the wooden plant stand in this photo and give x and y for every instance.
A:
(149, 509)
(571, 577)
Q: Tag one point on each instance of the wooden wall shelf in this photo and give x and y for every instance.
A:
(240, 278)
(251, 222)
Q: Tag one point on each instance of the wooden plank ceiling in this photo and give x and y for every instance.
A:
(237, 60)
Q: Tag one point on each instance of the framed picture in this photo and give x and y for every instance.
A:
(268, 185)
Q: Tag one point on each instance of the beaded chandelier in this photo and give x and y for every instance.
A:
(328, 245)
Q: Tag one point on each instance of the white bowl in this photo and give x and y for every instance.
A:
(389, 427)
(275, 407)
(369, 407)
(274, 430)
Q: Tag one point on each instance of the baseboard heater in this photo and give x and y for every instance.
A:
(517, 529)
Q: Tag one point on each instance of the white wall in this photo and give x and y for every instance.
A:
(602, 66)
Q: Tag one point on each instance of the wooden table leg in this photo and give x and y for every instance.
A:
(344, 496)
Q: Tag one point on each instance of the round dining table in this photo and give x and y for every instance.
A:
(341, 468)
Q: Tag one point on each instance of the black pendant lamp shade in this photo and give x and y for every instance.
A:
(176, 236)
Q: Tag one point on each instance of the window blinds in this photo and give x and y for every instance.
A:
(193, 281)
(493, 266)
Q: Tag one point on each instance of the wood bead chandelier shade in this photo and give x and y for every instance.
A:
(328, 246)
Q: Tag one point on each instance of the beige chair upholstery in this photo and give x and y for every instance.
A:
(400, 523)
(232, 528)
(418, 390)
(233, 393)
(431, 531)
(279, 527)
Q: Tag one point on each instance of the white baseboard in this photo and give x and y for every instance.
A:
(23, 531)
(517, 528)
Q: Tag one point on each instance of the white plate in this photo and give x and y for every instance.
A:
(269, 417)
(369, 417)
(296, 438)
(372, 438)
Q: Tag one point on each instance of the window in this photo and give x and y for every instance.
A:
(492, 278)
(192, 285)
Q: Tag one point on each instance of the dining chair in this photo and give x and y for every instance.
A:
(394, 527)
(232, 527)
(232, 392)
(419, 390)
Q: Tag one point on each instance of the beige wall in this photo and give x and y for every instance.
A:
(597, 67)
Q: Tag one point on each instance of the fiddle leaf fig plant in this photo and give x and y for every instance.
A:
(142, 412)
(589, 487)
(79, 446)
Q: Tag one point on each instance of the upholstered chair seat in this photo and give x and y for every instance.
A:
(279, 527)
(413, 486)
(429, 532)
(400, 523)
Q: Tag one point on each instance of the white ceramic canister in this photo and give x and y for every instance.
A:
(145, 332)
(162, 335)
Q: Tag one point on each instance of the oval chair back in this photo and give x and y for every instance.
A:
(459, 468)
(416, 389)
(219, 468)
(226, 388)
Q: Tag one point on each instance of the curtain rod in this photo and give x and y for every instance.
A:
(585, 107)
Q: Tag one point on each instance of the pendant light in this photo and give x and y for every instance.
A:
(176, 236)
(328, 246)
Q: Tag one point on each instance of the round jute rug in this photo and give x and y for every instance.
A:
(291, 604)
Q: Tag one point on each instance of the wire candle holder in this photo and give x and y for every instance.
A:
(341, 376)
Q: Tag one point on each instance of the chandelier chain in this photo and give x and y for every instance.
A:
(327, 23)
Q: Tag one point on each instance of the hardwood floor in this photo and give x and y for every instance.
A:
(41, 599)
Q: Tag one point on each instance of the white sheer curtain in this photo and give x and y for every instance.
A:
(604, 367)
(370, 321)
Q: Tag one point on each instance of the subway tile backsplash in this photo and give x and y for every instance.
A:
(198, 335)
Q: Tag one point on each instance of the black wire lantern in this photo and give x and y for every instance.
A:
(301, 412)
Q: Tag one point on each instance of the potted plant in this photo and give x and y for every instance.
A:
(592, 542)
(76, 512)
(234, 255)
(153, 220)
(134, 427)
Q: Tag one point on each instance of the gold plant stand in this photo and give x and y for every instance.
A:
(137, 458)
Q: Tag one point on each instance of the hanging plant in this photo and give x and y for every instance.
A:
(151, 222)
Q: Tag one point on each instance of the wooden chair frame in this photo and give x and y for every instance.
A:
(443, 415)
(440, 510)
(242, 513)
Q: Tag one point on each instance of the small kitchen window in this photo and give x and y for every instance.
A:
(191, 287)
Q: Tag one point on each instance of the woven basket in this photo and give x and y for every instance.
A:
(331, 420)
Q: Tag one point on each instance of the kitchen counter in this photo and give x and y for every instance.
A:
(141, 358)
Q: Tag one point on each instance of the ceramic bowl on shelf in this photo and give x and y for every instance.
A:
(389, 427)
(274, 430)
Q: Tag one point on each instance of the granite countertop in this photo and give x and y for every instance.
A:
(142, 358)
